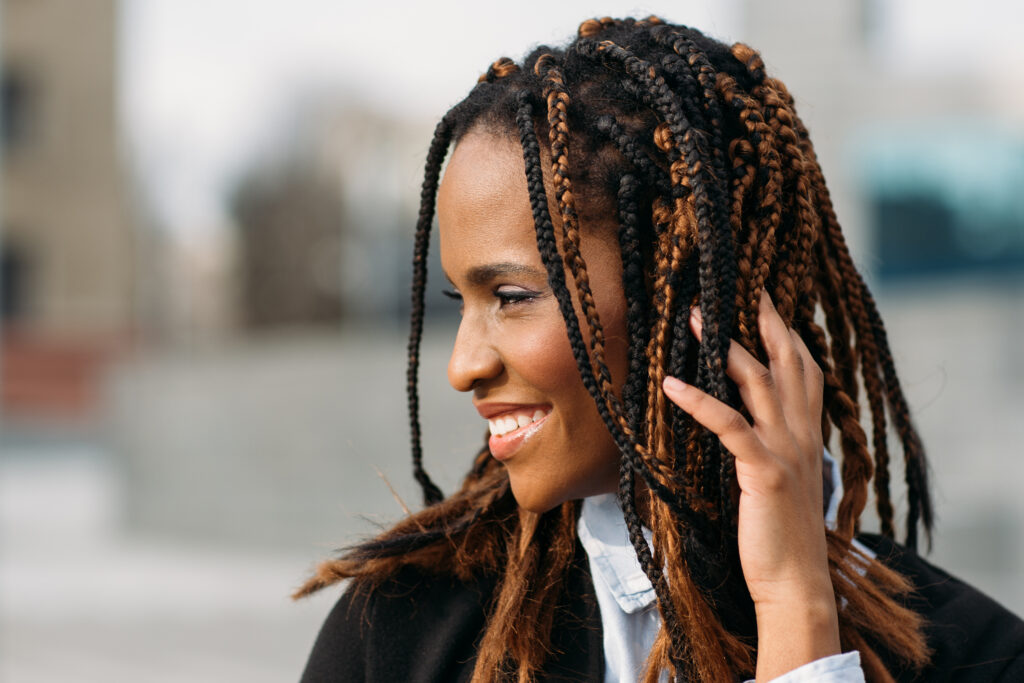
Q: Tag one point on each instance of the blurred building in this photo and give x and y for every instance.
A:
(922, 166)
(376, 157)
(324, 222)
(67, 244)
(290, 225)
(925, 167)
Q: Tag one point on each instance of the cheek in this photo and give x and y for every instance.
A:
(579, 457)
(543, 356)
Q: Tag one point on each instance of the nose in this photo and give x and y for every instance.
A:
(474, 357)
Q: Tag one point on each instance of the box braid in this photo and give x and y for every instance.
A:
(873, 347)
(687, 139)
(428, 195)
(558, 131)
(547, 245)
(916, 470)
(700, 158)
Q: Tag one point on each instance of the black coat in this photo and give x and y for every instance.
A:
(424, 628)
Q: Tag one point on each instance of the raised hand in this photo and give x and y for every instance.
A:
(781, 529)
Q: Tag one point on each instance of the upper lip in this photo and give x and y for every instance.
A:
(492, 410)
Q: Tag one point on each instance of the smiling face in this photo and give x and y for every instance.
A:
(511, 350)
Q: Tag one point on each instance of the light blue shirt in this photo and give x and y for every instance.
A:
(628, 605)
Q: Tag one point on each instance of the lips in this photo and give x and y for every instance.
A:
(512, 426)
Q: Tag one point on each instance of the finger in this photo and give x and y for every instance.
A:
(731, 428)
(814, 378)
(754, 380)
(785, 362)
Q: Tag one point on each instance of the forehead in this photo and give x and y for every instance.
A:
(489, 158)
(483, 205)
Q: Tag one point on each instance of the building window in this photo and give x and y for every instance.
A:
(17, 112)
(13, 282)
(946, 199)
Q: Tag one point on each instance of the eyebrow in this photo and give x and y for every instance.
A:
(481, 275)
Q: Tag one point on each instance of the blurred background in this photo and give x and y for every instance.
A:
(207, 212)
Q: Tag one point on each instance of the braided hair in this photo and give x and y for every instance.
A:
(701, 159)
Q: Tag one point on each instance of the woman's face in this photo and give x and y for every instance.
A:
(511, 349)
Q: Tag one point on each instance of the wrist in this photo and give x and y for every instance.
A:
(812, 611)
(810, 588)
(795, 633)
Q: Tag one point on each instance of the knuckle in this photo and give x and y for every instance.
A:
(789, 357)
(777, 341)
(763, 376)
(698, 407)
(796, 360)
(735, 423)
(776, 478)
(809, 443)
(698, 402)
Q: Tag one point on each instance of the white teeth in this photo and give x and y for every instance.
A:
(500, 426)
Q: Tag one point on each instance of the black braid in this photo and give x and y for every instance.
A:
(715, 250)
(660, 97)
(638, 333)
(716, 336)
(552, 260)
(556, 278)
(428, 197)
(703, 81)
(717, 126)
(549, 254)
(919, 501)
(697, 527)
(636, 300)
(554, 87)
(717, 260)
(627, 498)
(627, 145)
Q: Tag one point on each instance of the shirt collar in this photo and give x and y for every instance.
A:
(603, 533)
(833, 484)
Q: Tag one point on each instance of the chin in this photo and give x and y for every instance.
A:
(535, 498)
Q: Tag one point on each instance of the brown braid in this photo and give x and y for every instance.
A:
(703, 163)
(558, 100)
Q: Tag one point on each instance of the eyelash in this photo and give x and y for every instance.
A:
(506, 298)
(515, 297)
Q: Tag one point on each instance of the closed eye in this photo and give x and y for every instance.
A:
(452, 294)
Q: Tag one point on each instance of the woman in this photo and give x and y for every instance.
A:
(645, 253)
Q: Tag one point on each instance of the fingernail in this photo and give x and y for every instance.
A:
(696, 322)
(673, 384)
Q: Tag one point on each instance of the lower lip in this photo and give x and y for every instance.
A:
(505, 446)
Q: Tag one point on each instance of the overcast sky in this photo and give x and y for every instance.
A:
(204, 82)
